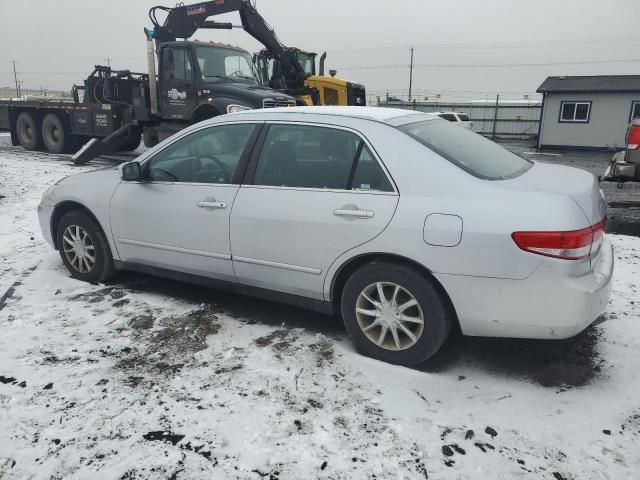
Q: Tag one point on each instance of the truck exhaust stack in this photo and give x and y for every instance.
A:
(151, 62)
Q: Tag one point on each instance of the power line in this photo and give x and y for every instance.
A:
(491, 65)
(496, 45)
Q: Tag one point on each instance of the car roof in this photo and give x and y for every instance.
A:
(389, 116)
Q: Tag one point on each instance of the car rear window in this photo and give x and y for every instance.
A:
(471, 152)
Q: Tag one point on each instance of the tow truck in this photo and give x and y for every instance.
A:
(195, 81)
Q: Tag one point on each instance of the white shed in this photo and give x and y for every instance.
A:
(590, 112)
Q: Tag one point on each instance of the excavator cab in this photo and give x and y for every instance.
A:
(327, 90)
(308, 61)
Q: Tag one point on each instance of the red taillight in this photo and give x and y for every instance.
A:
(572, 245)
(634, 138)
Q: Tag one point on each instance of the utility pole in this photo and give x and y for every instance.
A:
(108, 62)
(495, 117)
(15, 77)
(411, 74)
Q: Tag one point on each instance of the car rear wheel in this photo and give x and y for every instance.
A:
(28, 132)
(84, 248)
(394, 313)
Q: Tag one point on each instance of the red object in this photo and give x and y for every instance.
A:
(634, 138)
(572, 245)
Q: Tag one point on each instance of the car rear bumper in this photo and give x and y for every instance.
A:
(552, 303)
(44, 217)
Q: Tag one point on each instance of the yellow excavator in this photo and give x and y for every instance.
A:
(320, 89)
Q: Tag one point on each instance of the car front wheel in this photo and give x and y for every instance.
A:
(394, 313)
(84, 248)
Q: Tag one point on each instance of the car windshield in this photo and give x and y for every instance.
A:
(471, 152)
(225, 63)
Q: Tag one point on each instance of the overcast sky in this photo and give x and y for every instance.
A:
(463, 48)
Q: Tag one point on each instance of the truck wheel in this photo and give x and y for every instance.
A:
(394, 313)
(150, 137)
(28, 131)
(54, 134)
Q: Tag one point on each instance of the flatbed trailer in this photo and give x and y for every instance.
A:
(110, 100)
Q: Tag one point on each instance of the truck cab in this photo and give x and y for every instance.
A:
(199, 80)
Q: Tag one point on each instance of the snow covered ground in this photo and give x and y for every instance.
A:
(147, 378)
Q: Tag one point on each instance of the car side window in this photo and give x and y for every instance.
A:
(210, 155)
(306, 156)
(369, 175)
(318, 157)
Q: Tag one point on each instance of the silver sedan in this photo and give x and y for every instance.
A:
(398, 221)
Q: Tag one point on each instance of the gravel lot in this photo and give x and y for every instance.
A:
(146, 378)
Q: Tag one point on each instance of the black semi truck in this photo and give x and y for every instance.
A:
(115, 108)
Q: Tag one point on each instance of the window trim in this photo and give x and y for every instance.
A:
(633, 106)
(241, 169)
(257, 151)
(576, 102)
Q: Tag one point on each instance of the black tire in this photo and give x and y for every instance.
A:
(55, 135)
(434, 308)
(103, 268)
(129, 143)
(150, 137)
(28, 131)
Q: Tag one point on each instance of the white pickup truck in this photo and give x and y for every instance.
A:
(625, 165)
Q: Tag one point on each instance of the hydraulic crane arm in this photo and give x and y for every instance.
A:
(183, 21)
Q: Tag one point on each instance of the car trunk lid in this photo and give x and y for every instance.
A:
(583, 187)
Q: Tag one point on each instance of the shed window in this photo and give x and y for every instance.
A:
(575, 111)
(635, 109)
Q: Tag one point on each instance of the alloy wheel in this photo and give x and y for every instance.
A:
(390, 316)
(79, 249)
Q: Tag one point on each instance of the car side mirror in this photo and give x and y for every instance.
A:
(131, 172)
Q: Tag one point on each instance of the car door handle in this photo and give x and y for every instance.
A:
(219, 205)
(339, 212)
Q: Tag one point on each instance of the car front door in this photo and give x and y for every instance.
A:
(177, 216)
(312, 193)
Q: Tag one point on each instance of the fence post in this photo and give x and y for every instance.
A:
(495, 117)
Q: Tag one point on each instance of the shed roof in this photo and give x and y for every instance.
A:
(595, 83)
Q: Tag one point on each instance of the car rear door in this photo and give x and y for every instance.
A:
(177, 218)
(312, 193)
